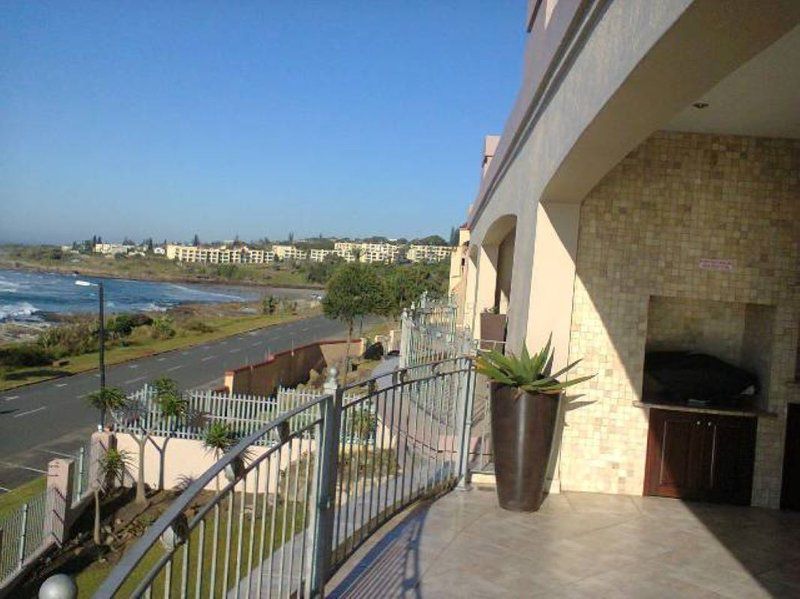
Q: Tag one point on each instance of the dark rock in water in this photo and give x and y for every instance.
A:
(374, 351)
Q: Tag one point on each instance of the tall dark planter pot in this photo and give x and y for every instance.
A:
(522, 433)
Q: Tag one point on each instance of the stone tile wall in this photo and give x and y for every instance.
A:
(648, 229)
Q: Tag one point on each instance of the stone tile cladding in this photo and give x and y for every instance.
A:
(677, 199)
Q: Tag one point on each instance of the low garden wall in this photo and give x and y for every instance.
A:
(290, 368)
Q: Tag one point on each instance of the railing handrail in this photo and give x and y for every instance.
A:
(131, 558)
(329, 404)
(400, 372)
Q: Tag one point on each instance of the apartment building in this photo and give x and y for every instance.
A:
(112, 249)
(368, 252)
(428, 253)
(289, 252)
(219, 255)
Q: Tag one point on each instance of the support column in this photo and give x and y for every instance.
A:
(486, 281)
(60, 477)
(471, 273)
(553, 278)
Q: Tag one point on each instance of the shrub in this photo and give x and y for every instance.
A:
(162, 328)
(122, 325)
(199, 326)
(26, 354)
(72, 339)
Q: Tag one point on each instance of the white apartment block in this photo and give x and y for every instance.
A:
(289, 252)
(367, 252)
(428, 253)
(219, 255)
(112, 249)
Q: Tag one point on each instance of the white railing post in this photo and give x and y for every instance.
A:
(466, 398)
(405, 345)
(23, 536)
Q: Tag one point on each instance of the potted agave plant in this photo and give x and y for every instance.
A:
(524, 407)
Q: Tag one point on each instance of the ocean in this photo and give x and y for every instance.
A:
(30, 296)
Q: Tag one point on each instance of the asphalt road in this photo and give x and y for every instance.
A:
(40, 421)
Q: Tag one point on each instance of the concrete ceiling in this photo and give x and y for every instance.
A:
(761, 98)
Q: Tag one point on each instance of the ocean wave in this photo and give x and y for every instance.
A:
(8, 286)
(20, 311)
(152, 307)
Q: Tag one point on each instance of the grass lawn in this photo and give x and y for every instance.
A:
(16, 497)
(225, 326)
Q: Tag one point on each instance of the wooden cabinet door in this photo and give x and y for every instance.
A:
(700, 456)
(732, 457)
(790, 490)
(675, 446)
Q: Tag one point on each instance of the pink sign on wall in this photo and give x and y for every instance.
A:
(716, 264)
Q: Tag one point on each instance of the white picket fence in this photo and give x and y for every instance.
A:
(244, 414)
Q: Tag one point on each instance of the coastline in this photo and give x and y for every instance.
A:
(90, 272)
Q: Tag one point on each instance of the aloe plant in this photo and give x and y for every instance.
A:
(526, 372)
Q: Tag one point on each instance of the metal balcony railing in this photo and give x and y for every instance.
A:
(286, 515)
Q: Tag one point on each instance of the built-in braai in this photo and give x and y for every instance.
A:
(701, 353)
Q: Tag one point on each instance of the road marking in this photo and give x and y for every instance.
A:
(23, 467)
(61, 385)
(184, 353)
(208, 358)
(160, 359)
(33, 411)
(233, 351)
(133, 366)
(255, 344)
(138, 378)
(175, 368)
(304, 330)
(11, 397)
(82, 396)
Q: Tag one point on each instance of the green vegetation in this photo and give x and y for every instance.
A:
(529, 374)
(110, 471)
(71, 347)
(354, 291)
(13, 499)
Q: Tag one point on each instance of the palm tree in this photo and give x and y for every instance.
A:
(110, 468)
(174, 408)
(107, 399)
(218, 438)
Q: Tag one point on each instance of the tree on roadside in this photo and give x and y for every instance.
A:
(353, 292)
(133, 417)
(174, 408)
(107, 400)
(219, 438)
(110, 469)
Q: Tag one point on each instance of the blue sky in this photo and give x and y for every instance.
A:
(339, 117)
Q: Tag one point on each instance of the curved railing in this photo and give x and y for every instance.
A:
(278, 520)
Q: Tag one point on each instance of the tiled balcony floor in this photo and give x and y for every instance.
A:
(577, 545)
